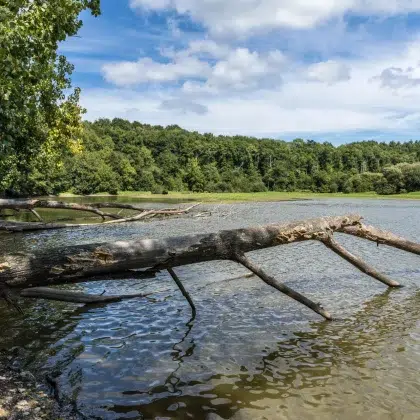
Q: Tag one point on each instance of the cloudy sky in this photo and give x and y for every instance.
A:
(333, 70)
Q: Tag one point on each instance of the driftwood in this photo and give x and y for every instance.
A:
(75, 264)
(31, 205)
(74, 297)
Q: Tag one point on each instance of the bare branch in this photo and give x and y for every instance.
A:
(382, 237)
(271, 281)
(331, 243)
(183, 290)
(14, 226)
(74, 297)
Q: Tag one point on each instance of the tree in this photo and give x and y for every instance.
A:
(35, 112)
(194, 177)
(411, 174)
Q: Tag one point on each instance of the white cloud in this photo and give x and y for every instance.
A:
(241, 17)
(233, 97)
(208, 47)
(241, 70)
(147, 70)
(329, 72)
(245, 70)
(237, 69)
(396, 77)
(184, 105)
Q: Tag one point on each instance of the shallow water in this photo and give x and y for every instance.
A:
(251, 353)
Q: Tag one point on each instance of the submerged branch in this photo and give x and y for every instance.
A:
(74, 297)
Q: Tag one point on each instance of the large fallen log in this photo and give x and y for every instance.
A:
(31, 205)
(79, 263)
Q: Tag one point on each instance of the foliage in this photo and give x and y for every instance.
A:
(119, 155)
(36, 117)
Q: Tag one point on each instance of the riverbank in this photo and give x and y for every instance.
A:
(22, 396)
(250, 197)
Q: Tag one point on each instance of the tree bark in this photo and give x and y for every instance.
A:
(382, 237)
(73, 264)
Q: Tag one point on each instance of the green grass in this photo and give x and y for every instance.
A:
(262, 196)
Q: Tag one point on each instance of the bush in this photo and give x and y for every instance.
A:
(113, 191)
(384, 188)
(157, 189)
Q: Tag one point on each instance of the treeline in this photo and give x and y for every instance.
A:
(118, 155)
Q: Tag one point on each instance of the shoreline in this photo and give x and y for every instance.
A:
(24, 397)
(179, 197)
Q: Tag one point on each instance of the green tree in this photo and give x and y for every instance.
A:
(35, 113)
(194, 177)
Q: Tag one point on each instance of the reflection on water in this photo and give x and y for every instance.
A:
(251, 353)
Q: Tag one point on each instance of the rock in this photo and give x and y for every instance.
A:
(27, 375)
(213, 416)
(3, 413)
(23, 405)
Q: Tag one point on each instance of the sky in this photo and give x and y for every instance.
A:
(326, 70)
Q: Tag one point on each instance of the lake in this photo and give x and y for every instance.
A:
(251, 352)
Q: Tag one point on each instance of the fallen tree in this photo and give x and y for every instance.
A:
(32, 205)
(27, 272)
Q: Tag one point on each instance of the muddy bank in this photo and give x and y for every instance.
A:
(22, 396)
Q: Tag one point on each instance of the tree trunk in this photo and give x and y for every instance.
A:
(74, 264)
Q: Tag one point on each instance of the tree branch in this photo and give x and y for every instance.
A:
(271, 281)
(379, 236)
(330, 242)
(74, 297)
(14, 226)
(183, 291)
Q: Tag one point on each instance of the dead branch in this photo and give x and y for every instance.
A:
(331, 243)
(16, 226)
(74, 297)
(271, 281)
(183, 291)
(36, 214)
(30, 205)
(145, 213)
(382, 237)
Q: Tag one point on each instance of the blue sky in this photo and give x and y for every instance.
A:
(337, 71)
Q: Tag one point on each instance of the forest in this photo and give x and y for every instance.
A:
(47, 148)
(117, 155)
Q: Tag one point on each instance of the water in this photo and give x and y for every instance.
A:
(251, 353)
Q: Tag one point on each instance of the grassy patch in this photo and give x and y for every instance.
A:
(261, 196)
